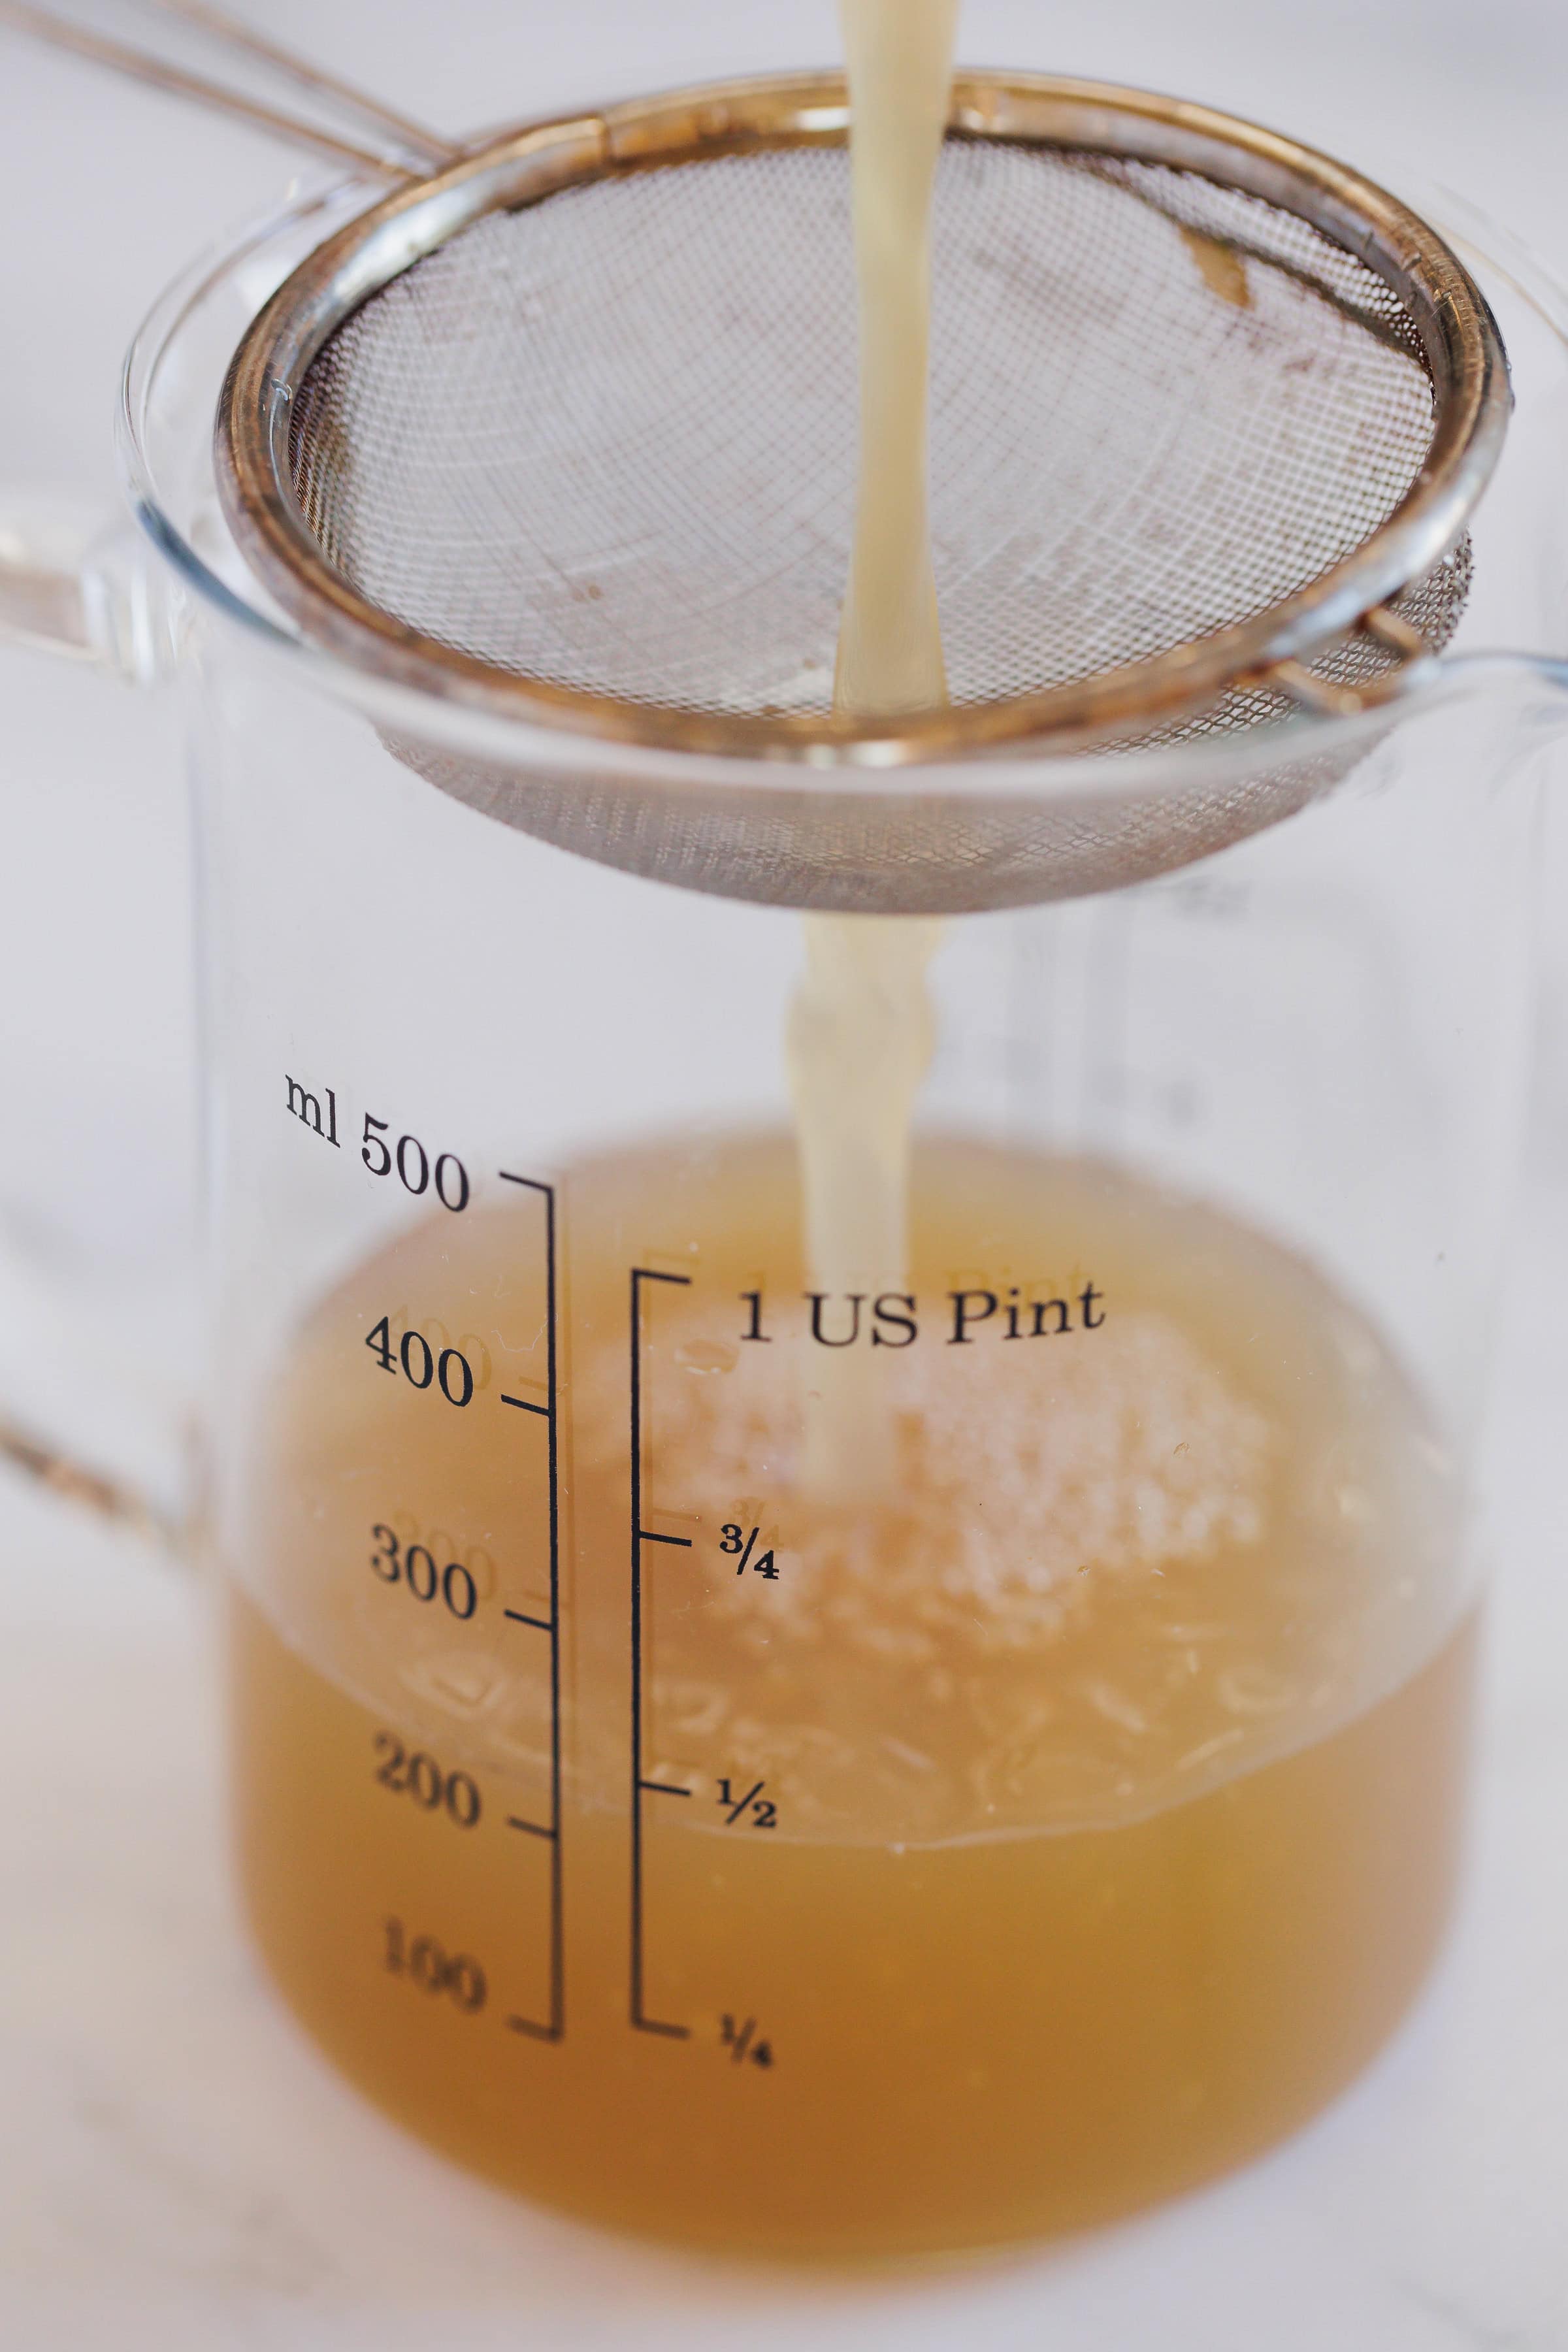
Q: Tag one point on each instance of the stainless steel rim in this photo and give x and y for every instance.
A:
(1462, 346)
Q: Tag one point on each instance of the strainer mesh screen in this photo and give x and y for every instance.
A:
(609, 440)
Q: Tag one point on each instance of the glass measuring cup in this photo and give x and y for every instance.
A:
(669, 1848)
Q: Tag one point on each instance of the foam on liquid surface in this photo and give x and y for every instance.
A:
(1116, 1561)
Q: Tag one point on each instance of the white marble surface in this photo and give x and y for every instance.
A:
(177, 2168)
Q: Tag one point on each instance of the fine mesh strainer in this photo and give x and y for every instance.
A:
(568, 432)
(563, 431)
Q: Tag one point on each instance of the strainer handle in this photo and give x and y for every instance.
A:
(342, 115)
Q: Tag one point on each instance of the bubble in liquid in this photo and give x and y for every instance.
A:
(706, 1356)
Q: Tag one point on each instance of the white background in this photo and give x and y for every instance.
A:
(176, 2167)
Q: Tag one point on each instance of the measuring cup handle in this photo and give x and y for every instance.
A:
(76, 583)
(73, 1398)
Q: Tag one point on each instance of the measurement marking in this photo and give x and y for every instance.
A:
(734, 1811)
(641, 2022)
(740, 2041)
(667, 1789)
(555, 2029)
(539, 1624)
(534, 1829)
(732, 1548)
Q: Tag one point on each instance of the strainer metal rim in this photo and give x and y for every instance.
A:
(1463, 350)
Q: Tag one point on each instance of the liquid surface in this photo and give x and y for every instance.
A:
(1023, 1847)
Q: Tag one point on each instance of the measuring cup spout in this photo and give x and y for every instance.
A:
(1531, 688)
(1543, 681)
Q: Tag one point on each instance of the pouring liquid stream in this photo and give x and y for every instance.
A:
(860, 1032)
